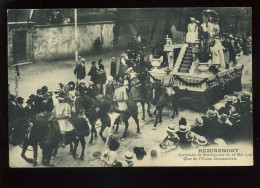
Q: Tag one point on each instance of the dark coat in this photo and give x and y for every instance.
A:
(11, 111)
(101, 76)
(93, 73)
(122, 69)
(101, 66)
(90, 92)
(97, 90)
(38, 104)
(82, 89)
(19, 111)
(113, 69)
(29, 112)
(183, 143)
(80, 71)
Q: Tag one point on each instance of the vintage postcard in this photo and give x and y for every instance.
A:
(130, 87)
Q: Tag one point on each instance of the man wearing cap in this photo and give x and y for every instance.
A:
(168, 82)
(62, 113)
(93, 73)
(80, 70)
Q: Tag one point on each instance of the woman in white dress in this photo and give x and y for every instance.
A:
(192, 34)
(218, 59)
(213, 27)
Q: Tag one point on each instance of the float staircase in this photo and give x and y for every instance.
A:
(187, 59)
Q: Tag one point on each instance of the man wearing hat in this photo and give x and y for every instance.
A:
(172, 139)
(109, 156)
(62, 113)
(80, 70)
(168, 82)
(39, 101)
(113, 67)
(29, 110)
(110, 87)
(47, 105)
(182, 131)
(82, 89)
(19, 107)
(93, 73)
(90, 89)
(198, 126)
(129, 159)
(199, 141)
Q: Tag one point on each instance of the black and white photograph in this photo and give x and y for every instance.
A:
(130, 87)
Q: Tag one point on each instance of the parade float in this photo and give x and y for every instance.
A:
(198, 85)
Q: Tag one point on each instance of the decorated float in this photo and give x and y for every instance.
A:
(200, 81)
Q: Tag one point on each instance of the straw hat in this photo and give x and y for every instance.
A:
(192, 19)
(128, 156)
(168, 69)
(82, 60)
(172, 129)
(201, 140)
(199, 121)
(184, 128)
(82, 82)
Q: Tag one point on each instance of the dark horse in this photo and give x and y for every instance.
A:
(95, 109)
(146, 92)
(131, 111)
(47, 135)
(160, 100)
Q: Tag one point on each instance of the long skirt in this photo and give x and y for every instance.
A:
(65, 125)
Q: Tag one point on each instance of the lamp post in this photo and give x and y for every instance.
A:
(76, 36)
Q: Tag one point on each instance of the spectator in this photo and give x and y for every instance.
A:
(113, 67)
(101, 75)
(93, 73)
(97, 45)
(80, 71)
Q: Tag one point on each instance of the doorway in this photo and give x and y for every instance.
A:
(19, 46)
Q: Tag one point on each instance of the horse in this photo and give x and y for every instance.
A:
(95, 109)
(131, 111)
(47, 135)
(146, 93)
(160, 101)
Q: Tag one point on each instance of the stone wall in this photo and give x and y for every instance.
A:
(54, 42)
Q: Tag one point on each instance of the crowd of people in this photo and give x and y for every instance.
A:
(221, 125)
(222, 47)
